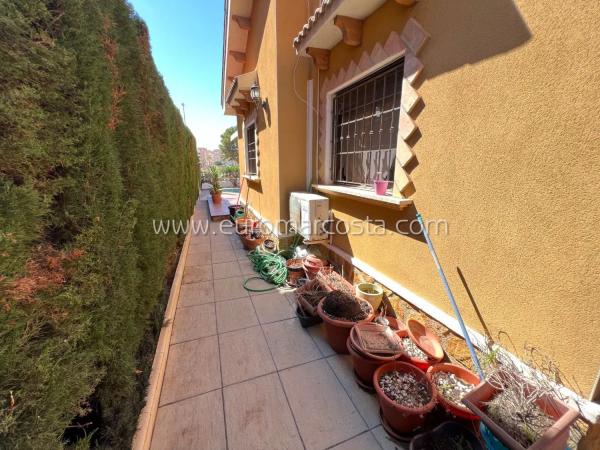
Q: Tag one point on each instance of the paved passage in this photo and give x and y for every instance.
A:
(241, 372)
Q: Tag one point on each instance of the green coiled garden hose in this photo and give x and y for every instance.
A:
(271, 268)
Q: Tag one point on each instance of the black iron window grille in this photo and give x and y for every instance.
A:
(365, 127)
(251, 150)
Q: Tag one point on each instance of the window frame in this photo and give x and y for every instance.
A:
(251, 122)
(329, 119)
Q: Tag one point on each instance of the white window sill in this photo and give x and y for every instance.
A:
(364, 195)
(252, 177)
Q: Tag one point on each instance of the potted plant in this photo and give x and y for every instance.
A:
(214, 180)
(252, 238)
(340, 312)
(522, 412)
(405, 394)
(313, 265)
(371, 293)
(295, 270)
(452, 383)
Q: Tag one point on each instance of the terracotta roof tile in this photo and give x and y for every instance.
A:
(313, 21)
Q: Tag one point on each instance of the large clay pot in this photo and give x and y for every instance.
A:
(422, 364)
(364, 367)
(216, 198)
(400, 418)
(465, 375)
(338, 331)
(554, 438)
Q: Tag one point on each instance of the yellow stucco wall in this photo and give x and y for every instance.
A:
(261, 55)
(508, 155)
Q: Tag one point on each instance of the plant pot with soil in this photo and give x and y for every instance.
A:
(371, 345)
(333, 281)
(520, 415)
(371, 293)
(452, 383)
(413, 353)
(252, 239)
(270, 245)
(340, 312)
(243, 224)
(405, 396)
(295, 270)
(447, 436)
(309, 296)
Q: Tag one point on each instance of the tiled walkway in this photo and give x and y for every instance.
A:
(241, 372)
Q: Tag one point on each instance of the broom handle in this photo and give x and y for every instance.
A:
(451, 297)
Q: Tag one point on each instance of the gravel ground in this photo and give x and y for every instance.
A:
(412, 349)
(405, 389)
(451, 387)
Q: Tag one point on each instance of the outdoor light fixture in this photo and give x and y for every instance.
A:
(255, 96)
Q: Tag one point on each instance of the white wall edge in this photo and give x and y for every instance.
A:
(588, 409)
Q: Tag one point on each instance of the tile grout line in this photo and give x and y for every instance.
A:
(287, 400)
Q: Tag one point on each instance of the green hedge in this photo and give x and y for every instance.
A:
(91, 150)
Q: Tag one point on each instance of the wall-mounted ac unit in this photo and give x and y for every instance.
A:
(309, 214)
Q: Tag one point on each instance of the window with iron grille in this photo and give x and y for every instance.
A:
(251, 156)
(365, 127)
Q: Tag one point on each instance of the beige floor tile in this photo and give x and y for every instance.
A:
(220, 256)
(196, 274)
(272, 307)
(226, 270)
(246, 267)
(198, 259)
(236, 243)
(192, 368)
(202, 247)
(194, 322)
(290, 344)
(196, 423)
(365, 441)
(258, 416)
(199, 239)
(366, 403)
(229, 288)
(235, 314)
(241, 253)
(196, 294)
(385, 441)
(244, 355)
(323, 411)
(317, 332)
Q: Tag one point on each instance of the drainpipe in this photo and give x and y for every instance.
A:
(309, 133)
(451, 297)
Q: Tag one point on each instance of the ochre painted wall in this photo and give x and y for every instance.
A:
(261, 55)
(508, 155)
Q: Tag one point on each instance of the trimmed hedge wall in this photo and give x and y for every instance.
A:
(91, 150)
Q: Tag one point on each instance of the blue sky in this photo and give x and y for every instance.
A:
(186, 38)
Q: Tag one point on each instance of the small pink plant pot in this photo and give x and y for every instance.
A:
(380, 186)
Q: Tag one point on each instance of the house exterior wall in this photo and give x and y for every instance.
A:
(508, 154)
(261, 55)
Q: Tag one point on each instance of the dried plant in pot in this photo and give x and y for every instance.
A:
(452, 383)
(340, 312)
(405, 394)
(522, 412)
(309, 296)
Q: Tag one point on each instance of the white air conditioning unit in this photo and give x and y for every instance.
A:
(309, 214)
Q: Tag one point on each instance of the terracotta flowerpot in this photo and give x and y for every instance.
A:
(216, 198)
(295, 270)
(313, 265)
(251, 243)
(400, 418)
(425, 339)
(243, 224)
(372, 356)
(554, 438)
(338, 331)
(364, 367)
(465, 375)
(446, 432)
